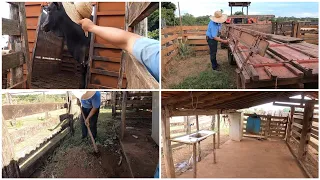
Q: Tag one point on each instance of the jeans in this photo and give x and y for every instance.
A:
(93, 122)
(213, 46)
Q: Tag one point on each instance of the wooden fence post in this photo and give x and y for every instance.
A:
(268, 125)
(10, 167)
(167, 151)
(123, 113)
(306, 128)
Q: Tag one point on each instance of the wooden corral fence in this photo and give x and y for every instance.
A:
(303, 137)
(271, 126)
(50, 54)
(183, 125)
(26, 165)
(138, 77)
(16, 62)
(297, 29)
(195, 36)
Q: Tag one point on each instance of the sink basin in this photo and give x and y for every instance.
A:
(198, 135)
(194, 137)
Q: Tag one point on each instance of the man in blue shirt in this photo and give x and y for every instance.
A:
(145, 50)
(212, 36)
(90, 102)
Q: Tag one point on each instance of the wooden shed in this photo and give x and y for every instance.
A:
(52, 67)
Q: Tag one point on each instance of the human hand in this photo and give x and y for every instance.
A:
(87, 122)
(86, 24)
(225, 41)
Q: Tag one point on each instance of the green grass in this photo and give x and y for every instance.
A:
(208, 79)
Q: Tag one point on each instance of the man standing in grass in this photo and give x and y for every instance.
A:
(212, 36)
(90, 102)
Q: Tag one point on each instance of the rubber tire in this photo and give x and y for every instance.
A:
(231, 58)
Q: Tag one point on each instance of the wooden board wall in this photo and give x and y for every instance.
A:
(105, 63)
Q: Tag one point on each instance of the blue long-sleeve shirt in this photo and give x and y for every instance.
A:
(94, 101)
(146, 51)
(213, 29)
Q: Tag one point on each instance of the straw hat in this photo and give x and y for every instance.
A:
(83, 95)
(77, 11)
(218, 17)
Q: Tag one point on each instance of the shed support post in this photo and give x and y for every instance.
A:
(194, 158)
(218, 119)
(268, 126)
(289, 124)
(199, 148)
(123, 113)
(167, 151)
(306, 128)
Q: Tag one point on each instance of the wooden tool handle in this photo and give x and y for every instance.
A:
(89, 130)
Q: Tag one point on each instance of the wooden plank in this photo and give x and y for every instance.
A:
(140, 10)
(168, 39)
(12, 60)
(10, 27)
(21, 110)
(168, 49)
(297, 125)
(170, 30)
(138, 77)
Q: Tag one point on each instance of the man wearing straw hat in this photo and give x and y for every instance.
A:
(145, 50)
(212, 36)
(90, 105)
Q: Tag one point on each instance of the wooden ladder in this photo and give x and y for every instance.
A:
(16, 64)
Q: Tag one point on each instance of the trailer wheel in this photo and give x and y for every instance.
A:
(231, 58)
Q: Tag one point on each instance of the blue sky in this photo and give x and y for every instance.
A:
(297, 9)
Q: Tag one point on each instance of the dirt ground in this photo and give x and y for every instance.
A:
(140, 148)
(180, 69)
(184, 152)
(75, 158)
(63, 80)
(249, 158)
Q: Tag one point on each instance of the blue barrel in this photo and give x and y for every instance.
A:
(253, 124)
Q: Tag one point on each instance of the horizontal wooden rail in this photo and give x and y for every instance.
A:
(12, 60)
(10, 27)
(21, 110)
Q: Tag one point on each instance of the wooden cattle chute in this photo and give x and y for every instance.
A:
(179, 103)
(104, 58)
(302, 135)
(138, 77)
(304, 30)
(266, 60)
(15, 65)
(25, 166)
(271, 126)
(123, 104)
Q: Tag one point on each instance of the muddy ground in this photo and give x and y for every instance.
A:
(62, 80)
(75, 158)
(180, 71)
(140, 148)
(184, 152)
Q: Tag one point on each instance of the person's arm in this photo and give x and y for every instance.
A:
(214, 32)
(118, 37)
(92, 112)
